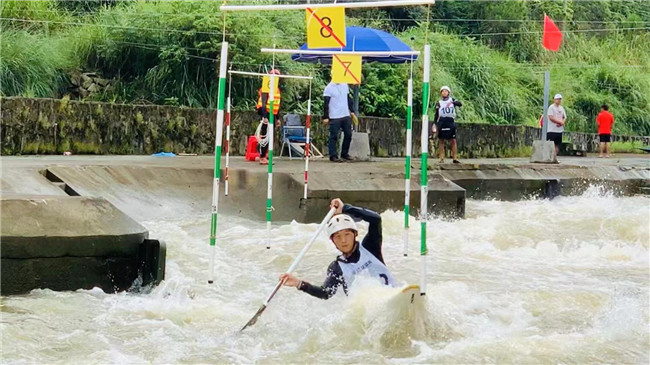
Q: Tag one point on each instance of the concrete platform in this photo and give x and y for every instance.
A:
(67, 226)
(514, 179)
(149, 191)
(148, 187)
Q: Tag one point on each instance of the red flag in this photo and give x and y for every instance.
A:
(552, 35)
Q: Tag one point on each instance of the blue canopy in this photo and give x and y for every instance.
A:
(362, 39)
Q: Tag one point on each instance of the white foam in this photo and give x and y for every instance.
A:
(516, 282)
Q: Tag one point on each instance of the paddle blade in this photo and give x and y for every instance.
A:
(255, 317)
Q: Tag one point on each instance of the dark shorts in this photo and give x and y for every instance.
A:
(605, 138)
(555, 137)
(446, 129)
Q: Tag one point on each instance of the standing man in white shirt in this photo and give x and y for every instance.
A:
(557, 120)
(337, 113)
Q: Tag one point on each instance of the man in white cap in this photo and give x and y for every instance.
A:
(444, 122)
(557, 118)
(356, 258)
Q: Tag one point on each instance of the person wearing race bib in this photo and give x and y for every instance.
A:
(356, 258)
(445, 122)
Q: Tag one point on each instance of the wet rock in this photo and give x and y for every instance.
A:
(101, 82)
(93, 88)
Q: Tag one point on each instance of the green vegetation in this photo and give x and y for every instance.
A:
(626, 147)
(164, 52)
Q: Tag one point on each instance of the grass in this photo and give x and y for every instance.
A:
(34, 66)
(499, 81)
(626, 147)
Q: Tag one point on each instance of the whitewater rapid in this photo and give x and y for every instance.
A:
(535, 281)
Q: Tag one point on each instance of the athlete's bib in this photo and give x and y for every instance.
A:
(447, 108)
(369, 265)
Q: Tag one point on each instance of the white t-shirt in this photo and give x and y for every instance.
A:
(559, 113)
(338, 93)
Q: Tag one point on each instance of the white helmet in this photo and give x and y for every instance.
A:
(340, 222)
(445, 88)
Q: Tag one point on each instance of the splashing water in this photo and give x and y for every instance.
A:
(538, 281)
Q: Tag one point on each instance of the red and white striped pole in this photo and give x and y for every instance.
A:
(227, 145)
(308, 141)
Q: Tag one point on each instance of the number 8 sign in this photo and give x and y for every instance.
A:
(325, 27)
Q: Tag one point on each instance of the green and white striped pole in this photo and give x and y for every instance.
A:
(269, 187)
(217, 155)
(424, 180)
(407, 166)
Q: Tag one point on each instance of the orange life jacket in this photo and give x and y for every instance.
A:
(276, 101)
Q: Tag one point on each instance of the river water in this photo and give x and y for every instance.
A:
(537, 281)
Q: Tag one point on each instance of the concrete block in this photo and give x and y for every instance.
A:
(70, 243)
(111, 274)
(552, 189)
(543, 152)
(152, 258)
(360, 146)
(67, 226)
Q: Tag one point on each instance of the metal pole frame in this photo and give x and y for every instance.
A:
(245, 73)
(270, 131)
(407, 162)
(408, 54)
(365, 4)
(424, 189)
(227, 145)
(307, 142)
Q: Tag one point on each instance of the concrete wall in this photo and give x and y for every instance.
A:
(516, 182)
(145, 192)
(48, 126)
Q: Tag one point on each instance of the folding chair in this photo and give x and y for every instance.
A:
(294, 137)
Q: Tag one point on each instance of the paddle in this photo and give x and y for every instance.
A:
(291, 268)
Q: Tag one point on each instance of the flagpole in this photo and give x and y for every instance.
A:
(551, 40)
(547, 85)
